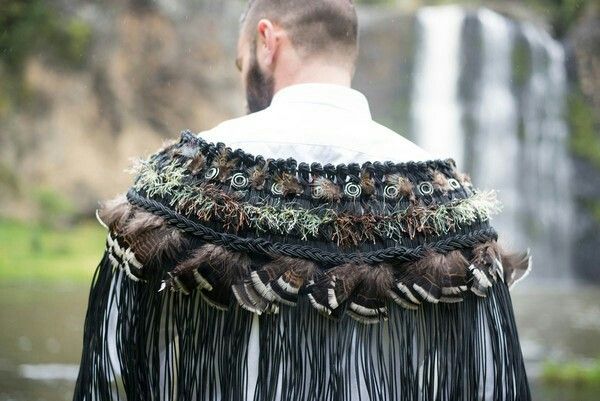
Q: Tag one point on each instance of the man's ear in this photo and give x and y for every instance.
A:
(268, 41)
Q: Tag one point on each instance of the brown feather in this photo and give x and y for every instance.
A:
(282, 278)
(287, 287)
(172, 243)
(258, 176)
(249, 299)
(215, 266)
(454, 279)
(141, 221)
(330, 190)
(440, 181)
(434, 277)
(367, 183)
(197, 164)
(465, 179)
(289, 183)
(150, 238)
(423, 278)
(485, 267)
(156, 244)
(403, 184)
(115, 212)
(225, 163)
(487, 254)
(345, 279)
(516, 266)
(367, 303)
(261, 278)
(122, 257)
(214, 270)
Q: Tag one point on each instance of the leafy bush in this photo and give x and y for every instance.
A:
(573, 373)
(34, 27)
(584, 141)
(55, 210)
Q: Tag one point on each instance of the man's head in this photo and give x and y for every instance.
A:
(283, 42)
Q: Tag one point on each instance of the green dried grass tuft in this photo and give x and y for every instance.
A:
(208, 202)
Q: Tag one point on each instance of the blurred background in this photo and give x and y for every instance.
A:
(510, 89)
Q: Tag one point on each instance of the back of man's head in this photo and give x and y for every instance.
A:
(317, 28)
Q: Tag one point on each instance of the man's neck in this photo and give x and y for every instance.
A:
(316, 72)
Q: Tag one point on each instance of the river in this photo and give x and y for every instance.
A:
(40, 340)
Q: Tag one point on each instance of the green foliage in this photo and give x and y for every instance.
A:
(31, 253)
(8, 178)
(521, 60)
(584, 141)
(593, 207)
(55, 210)
(76, 36)
(33, 27)
(572, 373)
(566, 13)
(562, 14)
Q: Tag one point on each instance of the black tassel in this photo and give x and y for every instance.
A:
(142, 344)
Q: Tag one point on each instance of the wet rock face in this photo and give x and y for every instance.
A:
(584, 45)
(586, 258)
(385, 66)
(151, 72)
(585, 41)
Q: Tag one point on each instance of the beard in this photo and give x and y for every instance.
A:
(259, 87)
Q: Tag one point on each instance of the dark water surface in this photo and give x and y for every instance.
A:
(41, 334)
(40, 341)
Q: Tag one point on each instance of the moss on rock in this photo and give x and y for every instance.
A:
(584, 141)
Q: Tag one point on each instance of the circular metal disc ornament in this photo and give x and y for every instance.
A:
(212, 173)
(317, 192)
(277, 188)
(352, 190)
(391, 192)
(425, 188)
(239, 181)
(453, 183)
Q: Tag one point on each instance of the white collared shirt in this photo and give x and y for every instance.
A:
(316, 122)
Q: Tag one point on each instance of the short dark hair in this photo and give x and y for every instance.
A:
(315, 27)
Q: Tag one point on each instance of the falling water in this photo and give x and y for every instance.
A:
(435, 106)
(489, 92)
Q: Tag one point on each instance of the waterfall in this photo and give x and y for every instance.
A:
(545, 153)
(435, 107)
(490, 92)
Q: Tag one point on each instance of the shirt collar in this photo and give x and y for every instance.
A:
(333, 95)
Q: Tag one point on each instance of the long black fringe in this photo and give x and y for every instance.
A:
(141, 344)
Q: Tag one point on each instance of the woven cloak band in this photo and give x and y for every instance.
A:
(264, 247)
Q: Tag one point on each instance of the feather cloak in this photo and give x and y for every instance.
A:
(380, 281)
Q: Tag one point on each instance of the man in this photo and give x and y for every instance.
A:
(297, 59)
(369, 266)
